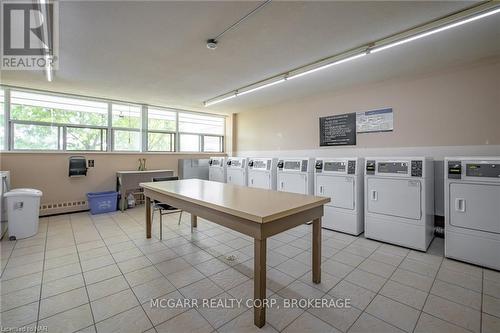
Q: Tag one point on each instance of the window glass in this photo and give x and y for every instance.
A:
(204, 124)
(158, 141)
(161, 119)
(124, 140)
(126, 115)
(189, 142)
(85, 138)
(36, 107)
(51, 121)
(212, 143)
(35, 137)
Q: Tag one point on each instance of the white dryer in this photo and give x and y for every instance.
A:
(217, 169)
(399, 200)
(296, 175)
(472, 210)
(341, 179)
(237, 170)
(262, 172)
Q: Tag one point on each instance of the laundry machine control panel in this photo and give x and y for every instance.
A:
(454, 169)
(336, 166)
(214, 161)
(370, 167)
(403, 168)
(351, 167)
(416, 168)
(236, 163)
(260, 164)
(294, 165)
(487, 170)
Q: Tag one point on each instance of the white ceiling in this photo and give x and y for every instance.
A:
(154, 52)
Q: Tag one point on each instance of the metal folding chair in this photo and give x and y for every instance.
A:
(164, 208)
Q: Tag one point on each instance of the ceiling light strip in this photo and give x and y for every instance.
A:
(469, 15)
(338, 62)
(219, 99)
(433, 31)
(244, 92)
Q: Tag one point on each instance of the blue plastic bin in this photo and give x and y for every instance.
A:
(102, 202)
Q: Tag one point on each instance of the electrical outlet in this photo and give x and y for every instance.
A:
(90, 163)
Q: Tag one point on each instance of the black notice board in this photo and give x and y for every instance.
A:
(338, 130)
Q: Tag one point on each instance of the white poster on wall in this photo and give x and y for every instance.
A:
(381, 120)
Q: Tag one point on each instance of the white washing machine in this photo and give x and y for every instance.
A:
(399, 201)
(472, 210)
(237, 170)
(262, 173)
(341, 179)
(217, 169)
(295, 175)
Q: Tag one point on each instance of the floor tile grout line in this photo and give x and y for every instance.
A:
(177, 290)
(123, 275)
(41, 281)
(9, 257)
(378, 293)
(481, 304)
(427, 296)
(183, 235)
(83, 275)
(342, 279)
(207, 277)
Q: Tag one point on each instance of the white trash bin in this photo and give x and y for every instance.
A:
(23, 205)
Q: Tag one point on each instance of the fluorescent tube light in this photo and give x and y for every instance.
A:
(215, 101)
(327, 65)
(259, 87)
(434, 31)
(380, 45)
(49, 72)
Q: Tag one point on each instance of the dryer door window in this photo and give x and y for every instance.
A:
(339, 188)
(292, 182)
(475, 206)
(395, 197)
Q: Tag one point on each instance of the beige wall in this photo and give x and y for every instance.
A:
(456, 107)
(49, 171)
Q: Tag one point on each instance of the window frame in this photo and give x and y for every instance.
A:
(108, 146)
(173, 142)
(221, 143)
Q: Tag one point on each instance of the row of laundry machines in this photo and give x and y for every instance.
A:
(390, 199)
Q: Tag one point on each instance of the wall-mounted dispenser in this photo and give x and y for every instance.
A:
(77, 166)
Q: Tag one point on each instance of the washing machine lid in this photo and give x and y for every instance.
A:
(475, 206)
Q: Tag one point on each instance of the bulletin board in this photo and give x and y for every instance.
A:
(338, 130)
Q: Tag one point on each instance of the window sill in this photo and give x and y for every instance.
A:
(6, 152)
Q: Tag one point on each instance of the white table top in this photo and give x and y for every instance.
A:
(253, 204)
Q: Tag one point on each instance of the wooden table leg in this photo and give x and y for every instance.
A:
(316, 251)
(259, 282)
(194, 222)
(148, 217)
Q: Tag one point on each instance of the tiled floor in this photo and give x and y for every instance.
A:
(85, 273)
